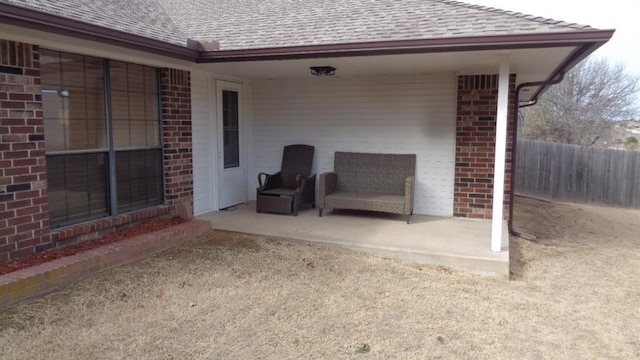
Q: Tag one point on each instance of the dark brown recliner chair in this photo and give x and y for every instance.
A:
(294, 185)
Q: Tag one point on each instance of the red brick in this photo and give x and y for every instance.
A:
(7, 248)
(18, 96)
(16, 154)
(25, 178)
(39, 201)
(28, 227)
(28, 194)
(12, 122)
(34, 121)
(28, 243)
(12, 104)
(28, 211)
(18, 204)
(7, 214)
(23, 146)
(17, 221)
(17, 254)
(23, 130)
(475, 132)
(37, 153)
(25, 162)
(38, 169)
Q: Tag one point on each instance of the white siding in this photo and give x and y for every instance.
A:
(390, 115)
(203, 144)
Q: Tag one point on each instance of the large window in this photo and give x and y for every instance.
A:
(102, 135)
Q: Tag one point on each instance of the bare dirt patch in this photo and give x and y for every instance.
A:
(231, 296)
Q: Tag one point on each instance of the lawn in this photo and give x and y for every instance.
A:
(574, 294)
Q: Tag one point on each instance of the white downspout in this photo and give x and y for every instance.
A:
(500, 156)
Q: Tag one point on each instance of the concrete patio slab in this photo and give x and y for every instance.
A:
(461, 244)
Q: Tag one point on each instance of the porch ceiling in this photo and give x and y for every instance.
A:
(529, 64)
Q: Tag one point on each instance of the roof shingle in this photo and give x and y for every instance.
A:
(247, 24)
(146, 18)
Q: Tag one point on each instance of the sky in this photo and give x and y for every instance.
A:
(624, 47)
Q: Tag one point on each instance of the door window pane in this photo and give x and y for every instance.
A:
(230, 130)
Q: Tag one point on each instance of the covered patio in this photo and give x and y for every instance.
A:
(458, 243)
(435, 79)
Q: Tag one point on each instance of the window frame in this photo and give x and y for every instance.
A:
(110, 152)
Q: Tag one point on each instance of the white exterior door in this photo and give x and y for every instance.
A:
(232, 184)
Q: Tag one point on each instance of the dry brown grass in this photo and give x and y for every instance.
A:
(575, 295)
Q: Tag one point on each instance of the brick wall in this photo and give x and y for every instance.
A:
(176, 136)
(24, 218)
(475, 145)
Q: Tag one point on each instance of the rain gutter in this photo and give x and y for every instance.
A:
(394, 47)
(555, 78)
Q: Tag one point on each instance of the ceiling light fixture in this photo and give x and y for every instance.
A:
(323, 70)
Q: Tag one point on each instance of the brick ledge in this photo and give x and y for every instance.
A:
(110, 223)
(45, 278)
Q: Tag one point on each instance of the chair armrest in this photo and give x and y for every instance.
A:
(409, 185)
(271, 181)
(328, 183)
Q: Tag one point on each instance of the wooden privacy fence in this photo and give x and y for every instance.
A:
(576, 173)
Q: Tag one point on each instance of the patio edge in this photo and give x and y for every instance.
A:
(468, 264)
(60, 273)
(476, 265)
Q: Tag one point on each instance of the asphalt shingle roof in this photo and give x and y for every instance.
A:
(246, 24)
(146, 18)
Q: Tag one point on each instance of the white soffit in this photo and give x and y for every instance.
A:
(529, 64)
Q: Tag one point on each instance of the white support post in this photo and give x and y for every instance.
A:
(500, 156)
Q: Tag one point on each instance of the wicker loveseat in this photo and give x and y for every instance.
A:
(373, 182)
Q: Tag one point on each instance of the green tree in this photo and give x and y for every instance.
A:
(584, 106)
(632, 143)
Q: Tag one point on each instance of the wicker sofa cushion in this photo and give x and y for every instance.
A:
(365, 201)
